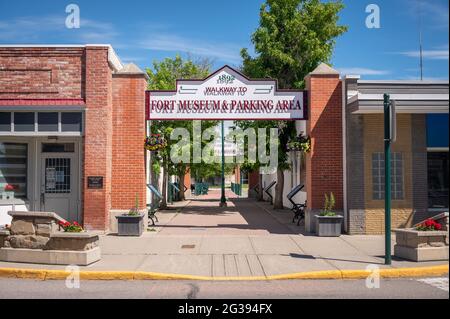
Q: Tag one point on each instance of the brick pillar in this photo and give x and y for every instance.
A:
(128, 175)
(98, 137)
(237, 174)
(253, 180)
(187, 180)
(324, 163)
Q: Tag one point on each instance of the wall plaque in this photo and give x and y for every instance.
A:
(95, 182)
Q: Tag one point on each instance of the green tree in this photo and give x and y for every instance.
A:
(293, 37)
(163, 76)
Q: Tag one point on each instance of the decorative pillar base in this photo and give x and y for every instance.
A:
(223, 204)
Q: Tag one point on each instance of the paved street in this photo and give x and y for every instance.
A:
(433, 288)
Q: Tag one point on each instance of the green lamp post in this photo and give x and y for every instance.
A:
(223, 200)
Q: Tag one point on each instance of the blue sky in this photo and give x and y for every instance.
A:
(143, 31)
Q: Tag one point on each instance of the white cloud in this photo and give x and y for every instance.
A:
(427, 54)
(41, 29)
(362, 71)
(224, 52)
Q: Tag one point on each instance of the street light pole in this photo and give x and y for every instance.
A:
(223, 200)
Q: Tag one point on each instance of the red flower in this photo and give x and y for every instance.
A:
(430, 224)
(9, 187)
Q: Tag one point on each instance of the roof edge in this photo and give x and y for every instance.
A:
(113, 58)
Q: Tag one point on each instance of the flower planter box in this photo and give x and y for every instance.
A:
(328, 226)
(130, 225)
(419, 245)
(34, 237)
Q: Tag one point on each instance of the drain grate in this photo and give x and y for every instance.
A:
(187, 246)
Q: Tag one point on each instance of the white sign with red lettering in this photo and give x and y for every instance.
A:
(226, 95)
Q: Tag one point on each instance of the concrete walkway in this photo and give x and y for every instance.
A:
(247, 238)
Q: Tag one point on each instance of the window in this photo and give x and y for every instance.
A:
(58, 147)
(5, 121)
(57, 175)
(48, 121)
(378, 176)
(71, 122)
(13, 171)
(437, 179)
(24, 121)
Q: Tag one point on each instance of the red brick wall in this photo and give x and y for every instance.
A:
(41, 73)
(324, 162)
(98, 137)
(237, 175)
(58, 76)
(128, 176)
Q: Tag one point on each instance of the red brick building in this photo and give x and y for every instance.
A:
(72, 125)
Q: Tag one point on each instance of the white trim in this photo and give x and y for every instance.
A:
(113, 58)
(417, 109)
(45, 45)
(404, 81)
(351, 77)
(42, 108)
(400, 97)
(31, 134)
(437, 149)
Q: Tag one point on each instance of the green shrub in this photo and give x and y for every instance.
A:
(328, 205)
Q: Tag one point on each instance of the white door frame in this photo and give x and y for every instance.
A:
(76, 171)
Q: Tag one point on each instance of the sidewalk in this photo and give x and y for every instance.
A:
(245, 239)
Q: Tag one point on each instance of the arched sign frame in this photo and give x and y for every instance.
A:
(226, 94)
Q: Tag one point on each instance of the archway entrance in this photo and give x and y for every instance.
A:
(225, 95)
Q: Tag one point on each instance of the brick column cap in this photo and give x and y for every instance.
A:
(131, 69)
(323, 69)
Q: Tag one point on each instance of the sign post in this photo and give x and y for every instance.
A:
(223, 199)
(389, 137)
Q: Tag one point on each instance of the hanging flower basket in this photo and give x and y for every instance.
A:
(155, 142)
(300, 143)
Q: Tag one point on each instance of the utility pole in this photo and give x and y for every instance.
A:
(420, 42)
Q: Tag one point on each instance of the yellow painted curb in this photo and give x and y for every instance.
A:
(44, 274)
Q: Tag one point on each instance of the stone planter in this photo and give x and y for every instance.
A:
(130, 225)
(328, 226)
(418, 245)
(3, 234)
(35, 237)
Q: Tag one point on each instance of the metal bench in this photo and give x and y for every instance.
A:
(152, 208)
(297, 209)
(173, 192)
(201, 189)
(266, 190)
